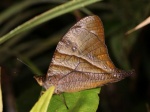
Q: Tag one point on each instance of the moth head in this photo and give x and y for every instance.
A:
(39, 80)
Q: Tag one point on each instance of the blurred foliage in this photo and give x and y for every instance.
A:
(36, 46)
(1, 102)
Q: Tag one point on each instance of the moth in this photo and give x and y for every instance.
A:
(81, 60)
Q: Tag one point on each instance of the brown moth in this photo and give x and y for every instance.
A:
(81, 60)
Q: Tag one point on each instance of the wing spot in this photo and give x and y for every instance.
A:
(74, 48)
(115, 75)
(90, 56)
(68, 43)
(105, 67)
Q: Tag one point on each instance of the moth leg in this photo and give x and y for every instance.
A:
(64, 101)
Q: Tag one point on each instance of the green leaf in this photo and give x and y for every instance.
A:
(48, 15)
(42, 104)
(83, 101)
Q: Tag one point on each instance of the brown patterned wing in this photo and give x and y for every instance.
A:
(81, 59)
(83, 49)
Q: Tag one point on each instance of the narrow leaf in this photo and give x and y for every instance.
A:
(42, 104)
(142, 24)
(50, 14)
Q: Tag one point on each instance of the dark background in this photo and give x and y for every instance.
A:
(36, 47)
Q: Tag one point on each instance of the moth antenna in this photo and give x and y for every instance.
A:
(24, 63)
